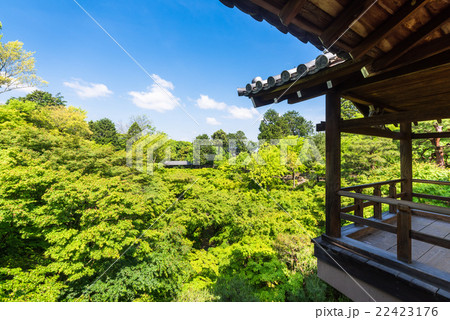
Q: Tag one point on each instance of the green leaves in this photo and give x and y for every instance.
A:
(17, 67)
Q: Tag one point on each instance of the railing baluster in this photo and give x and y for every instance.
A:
(393, 195)
(359, 211)
(404, 251)
(377, 213)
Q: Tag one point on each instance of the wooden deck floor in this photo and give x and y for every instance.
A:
(433, 256)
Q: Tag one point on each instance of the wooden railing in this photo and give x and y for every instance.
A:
(403, 210)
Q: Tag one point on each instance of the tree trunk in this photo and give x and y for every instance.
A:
(439, 150)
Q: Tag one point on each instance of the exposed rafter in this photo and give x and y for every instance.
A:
(424, 51)
(290, 10)
(407, 44)
(407, 116)
(344, 21)
(301, 23)
(416, 67)
(387, 27)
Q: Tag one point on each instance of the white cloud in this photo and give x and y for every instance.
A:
(26, 90)
(158, 96)
(242, 113)
(212, 121)
(205, 102)
(88, 90)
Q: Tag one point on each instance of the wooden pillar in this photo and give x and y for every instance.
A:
(377, 207)
(404, 250)
(406, 160)
(359, 211)
(393, 195)
(333, 165)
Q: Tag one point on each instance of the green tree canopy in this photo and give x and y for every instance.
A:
(298, 126)
(17, 67)
(133, 130)
(276, 126)
(104, 132)
(43, 99)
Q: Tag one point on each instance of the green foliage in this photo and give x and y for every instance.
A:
(42, 99)
(205, 152)
(275, 126)
(78, 224)
(349, 111)
(266, 167)
(133, 130)
(17, 67)
(361, 154)
(104, 132)
(432, 150)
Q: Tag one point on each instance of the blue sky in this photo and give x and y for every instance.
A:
(198, 51)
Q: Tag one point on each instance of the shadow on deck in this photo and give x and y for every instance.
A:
(400, 256)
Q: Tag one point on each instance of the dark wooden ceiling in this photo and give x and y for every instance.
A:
(403, 46)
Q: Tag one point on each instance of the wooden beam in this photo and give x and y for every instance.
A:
(370, 223)
(404, 249)
(298, 22)
(301, 23)
(333, 165)
(407, 44)
(439, 60)
(344, 21)
(290, 10)
(397, 117)
(431, 197)
(406, 161)
(371, 185)
(368, 101)
(431, 215)
(436, 182)
(431, 135)
(307, 94)
(377, 208)
(393, 195)
(410, 204)
(320, 127)
(387, 27)
(424, 51)
(364, 109)
(368, 131)
(441, 242)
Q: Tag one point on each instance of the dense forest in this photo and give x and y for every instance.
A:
(80, 222)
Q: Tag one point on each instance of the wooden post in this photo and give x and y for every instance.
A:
(359, 211)
(377, 212)
(406, 160)
(393, 195)
(333, 165)
(404, 251)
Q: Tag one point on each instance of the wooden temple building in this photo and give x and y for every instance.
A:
(391, 58)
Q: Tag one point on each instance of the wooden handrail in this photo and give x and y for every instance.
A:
(441, 242)
(431, 197)
(370, 223)
(371, 185)
(442, 183)
(410, 204)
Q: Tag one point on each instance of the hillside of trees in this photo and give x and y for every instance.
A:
(78, 224)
